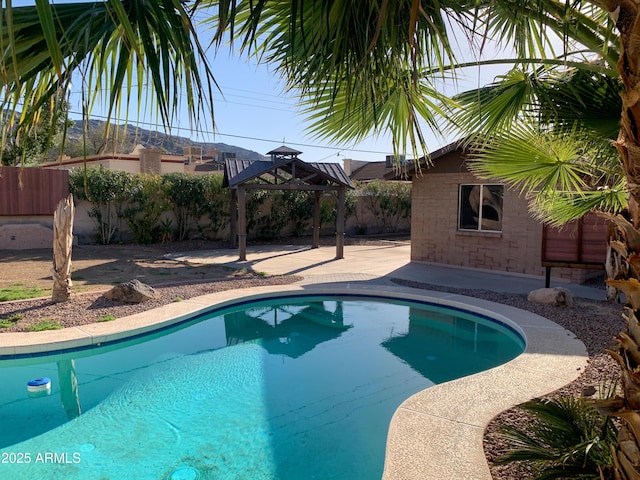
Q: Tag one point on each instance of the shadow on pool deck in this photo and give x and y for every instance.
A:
(372, 264)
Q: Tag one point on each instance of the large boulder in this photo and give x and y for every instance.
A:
(131, 292)
(552, 296)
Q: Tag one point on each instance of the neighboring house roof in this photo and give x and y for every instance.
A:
(238, 172)
(372, 171)
(207, 166)
(458, 145)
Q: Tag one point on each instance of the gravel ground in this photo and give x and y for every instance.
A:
(84, 308)
(593, 322)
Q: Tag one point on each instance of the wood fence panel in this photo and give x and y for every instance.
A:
(583, 242)
(31, 191)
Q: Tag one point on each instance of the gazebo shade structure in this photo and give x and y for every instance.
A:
(284, 171)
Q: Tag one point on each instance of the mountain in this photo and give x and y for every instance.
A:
(126, 137)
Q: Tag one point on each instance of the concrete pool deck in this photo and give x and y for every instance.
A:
(436, 433)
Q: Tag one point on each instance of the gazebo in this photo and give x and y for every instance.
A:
(284, 171)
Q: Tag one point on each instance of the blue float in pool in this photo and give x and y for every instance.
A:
(39, 385)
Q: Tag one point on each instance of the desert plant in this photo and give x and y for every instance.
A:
(566, 438)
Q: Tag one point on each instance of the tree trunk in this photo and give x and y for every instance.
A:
(62, 245)
(626, 455)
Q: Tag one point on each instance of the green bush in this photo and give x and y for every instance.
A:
(200, 202)
(186, 193)
(217, 204)
(389, 202)
(147, 203)
(299, 207)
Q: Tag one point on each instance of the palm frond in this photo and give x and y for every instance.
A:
(121, 46)
(563, 207)
(566, 438)
(533, 161)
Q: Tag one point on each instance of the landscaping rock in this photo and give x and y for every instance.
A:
(552, 296)
(131, 292)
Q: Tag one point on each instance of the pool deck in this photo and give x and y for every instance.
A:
(436, 433)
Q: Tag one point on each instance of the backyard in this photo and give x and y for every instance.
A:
(96, 268)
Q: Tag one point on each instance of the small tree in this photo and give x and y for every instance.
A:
(108, 191)
(34, 143)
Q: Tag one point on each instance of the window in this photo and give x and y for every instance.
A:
(480, 208)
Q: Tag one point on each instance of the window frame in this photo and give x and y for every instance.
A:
(480, 217)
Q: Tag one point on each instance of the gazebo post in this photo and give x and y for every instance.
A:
(242, 224)
(316, 219)
(233, 219)
(340, 224)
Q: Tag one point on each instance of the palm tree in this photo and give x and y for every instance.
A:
(360, 67)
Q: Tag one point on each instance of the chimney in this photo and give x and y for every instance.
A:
(388, 163)
(391, 160)
(348, 166)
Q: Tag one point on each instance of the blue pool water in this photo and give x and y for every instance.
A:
(293, 388)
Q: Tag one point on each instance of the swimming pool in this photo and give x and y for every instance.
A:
(271, 390)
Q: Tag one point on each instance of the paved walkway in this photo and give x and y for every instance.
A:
(372, 264)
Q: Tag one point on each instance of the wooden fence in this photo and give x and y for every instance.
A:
(578, 244)
(31, 191)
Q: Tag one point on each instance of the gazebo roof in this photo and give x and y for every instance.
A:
(238, 172)
(284, 150)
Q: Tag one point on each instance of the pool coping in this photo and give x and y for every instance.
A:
(436, 433)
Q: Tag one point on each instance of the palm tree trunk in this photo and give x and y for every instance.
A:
(62, 245)
(627, 352)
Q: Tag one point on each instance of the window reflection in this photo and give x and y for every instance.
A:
(481, 207)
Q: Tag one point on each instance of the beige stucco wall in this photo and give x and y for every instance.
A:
(435, 237)
(125, 163)
(25, 232)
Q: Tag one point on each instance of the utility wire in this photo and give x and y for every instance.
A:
(243, 137)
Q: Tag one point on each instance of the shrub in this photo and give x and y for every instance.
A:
(147, 203)
(186, 193)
